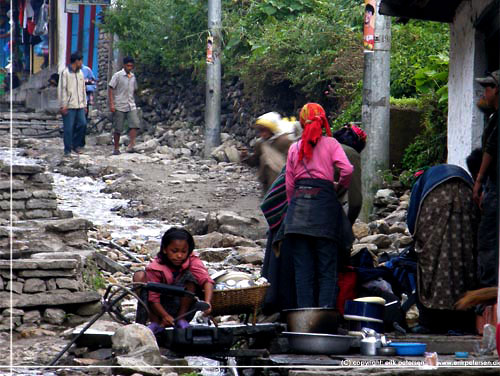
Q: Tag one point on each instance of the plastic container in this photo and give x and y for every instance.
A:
(409, 348)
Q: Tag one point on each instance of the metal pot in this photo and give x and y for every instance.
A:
(314, 343)
(312, 320)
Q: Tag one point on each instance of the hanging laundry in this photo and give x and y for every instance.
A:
(28, 13)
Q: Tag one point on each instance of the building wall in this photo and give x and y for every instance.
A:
(62, 25)
(467, 61)
(78, 31)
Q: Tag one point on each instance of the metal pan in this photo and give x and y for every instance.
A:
(314, 343)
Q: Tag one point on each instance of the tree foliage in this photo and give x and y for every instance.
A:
(431, 82)
(311, 48)
(160, 33)
(413, 46)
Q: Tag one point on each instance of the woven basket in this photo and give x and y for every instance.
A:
(236, 301)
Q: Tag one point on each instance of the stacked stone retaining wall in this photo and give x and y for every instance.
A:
(41, 290)
(29, 124)
(32, 196)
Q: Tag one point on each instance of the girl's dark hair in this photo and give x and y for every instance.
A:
(347, 136)
(175, 233)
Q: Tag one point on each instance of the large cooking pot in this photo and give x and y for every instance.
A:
(312, 320)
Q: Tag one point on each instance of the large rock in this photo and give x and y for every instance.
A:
(232, 154)
(379, 227)
(380, 240)
(28, 169)
(53, 298)
(196, 222)
(69, 284)
(385, 197)
(81, 256)
(148, 146)
(89, 309)
(214, 254)
(397, 216)
(40, 203)
(248, 255)
(47, 273)
(32, 317)
(398, 228)
(68, 225)
(54, 316)
(33, 285)
(14, 286)
(39, 264)
(17, 185)
(218, 154)
(235, 224)
(359, 246)
(137, 341)
(219, 240)
(360, 230)
(130, 365)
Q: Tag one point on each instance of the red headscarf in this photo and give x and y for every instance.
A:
(313, 120)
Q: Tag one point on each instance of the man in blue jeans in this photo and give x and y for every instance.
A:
(73, 103)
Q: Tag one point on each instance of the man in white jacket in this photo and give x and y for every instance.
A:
(73, 103)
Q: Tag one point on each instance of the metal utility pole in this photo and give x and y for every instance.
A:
(375, 112)
(213, 87)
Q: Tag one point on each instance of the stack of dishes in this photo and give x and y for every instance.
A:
(364, 313)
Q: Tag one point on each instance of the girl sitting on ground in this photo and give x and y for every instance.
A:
(175, 265)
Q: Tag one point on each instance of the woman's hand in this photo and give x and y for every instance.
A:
(167, 320)
(208, 311)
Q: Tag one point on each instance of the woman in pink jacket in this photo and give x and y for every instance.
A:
(314, 220)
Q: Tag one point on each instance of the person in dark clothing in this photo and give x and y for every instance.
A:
(485, 185)
(442, 219)
(353, 141)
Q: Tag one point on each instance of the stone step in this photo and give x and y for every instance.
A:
(47, 299)
(27, 116)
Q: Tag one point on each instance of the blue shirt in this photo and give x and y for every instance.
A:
(88, 75)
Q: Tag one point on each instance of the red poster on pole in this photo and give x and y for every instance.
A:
(369, 25)
(210, 44)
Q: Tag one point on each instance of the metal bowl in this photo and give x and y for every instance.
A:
(314, 343)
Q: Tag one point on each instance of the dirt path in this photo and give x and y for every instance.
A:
(165, 189)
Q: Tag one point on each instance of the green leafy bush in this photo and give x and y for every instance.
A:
(165, 34)
(413, 45)
(429, 148)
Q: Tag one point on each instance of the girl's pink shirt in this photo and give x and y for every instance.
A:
(327, 155)
(161, 273)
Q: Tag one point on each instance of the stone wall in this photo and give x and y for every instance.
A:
(37, 287)
(29, 124)
(105, 54)
(45, 280)
(32, 195)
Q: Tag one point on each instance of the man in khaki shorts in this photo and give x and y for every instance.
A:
(122, 104)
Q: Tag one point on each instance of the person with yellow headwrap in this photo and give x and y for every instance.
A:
(314, 222)
(271, 148)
